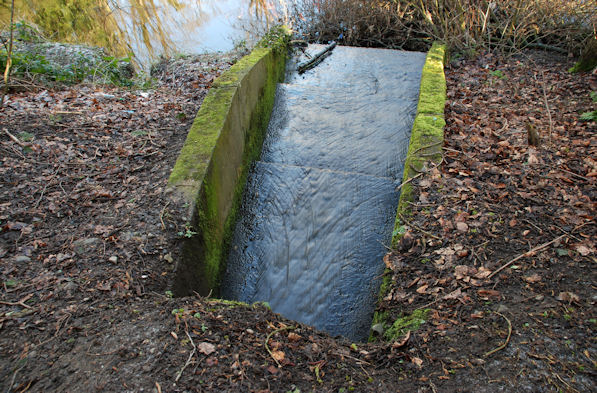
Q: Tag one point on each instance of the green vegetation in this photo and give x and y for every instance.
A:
(590, 116)
(211, 170)
(92, 21)
(425, 147)
(406, 323)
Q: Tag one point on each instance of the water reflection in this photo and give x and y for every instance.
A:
(149, 28)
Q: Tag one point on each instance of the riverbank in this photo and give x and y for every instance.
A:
(87, 241)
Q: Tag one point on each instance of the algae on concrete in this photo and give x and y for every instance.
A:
(425, 148)
(211, 170)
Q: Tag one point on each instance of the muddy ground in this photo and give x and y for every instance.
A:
(498, 257)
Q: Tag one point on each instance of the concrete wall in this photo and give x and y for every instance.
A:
(425, 147)
(211, 170)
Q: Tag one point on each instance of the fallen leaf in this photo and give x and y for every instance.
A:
(422, 289)
(568, 297)
(206, 348)
(292, 337)
(483, 272)
(454, 294)
(461, 227)
(461, 271)
(402, 342)
(417, 361)
(273, 369)
(211, 361)
(533, 278)
(278, 355)
(488, 293)
(583, 250)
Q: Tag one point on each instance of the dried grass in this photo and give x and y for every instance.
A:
(464, 25)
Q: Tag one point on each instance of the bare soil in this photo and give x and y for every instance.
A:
(499, 251)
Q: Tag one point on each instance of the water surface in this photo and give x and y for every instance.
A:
(319, 207)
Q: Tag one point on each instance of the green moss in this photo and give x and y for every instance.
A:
(238, 71)
(211, 171)
(588, 59)
(406, 323)
(425, 145)
(195, 155)
(432, 96)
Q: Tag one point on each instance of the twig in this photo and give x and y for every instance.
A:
(507, 338)
(457, 151)
(351, 357)
(20, 302)
(270, 335)
(574, 174)
(190, 356)
(409, 180)
(427, 147)
(540, 247)
(418, 229)
(547, 106)
(14, 138)
(162, 216)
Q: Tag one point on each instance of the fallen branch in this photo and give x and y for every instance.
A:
(507, 338)
(162, 216)
(537, 45)
(14, 138)
(547, 107)
(270, 336)
(318, 58)
(20, 302)
(538, 248)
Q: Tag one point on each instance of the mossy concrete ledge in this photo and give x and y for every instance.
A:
(425, 149)
(210, 173)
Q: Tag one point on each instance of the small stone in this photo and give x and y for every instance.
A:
(113, 259)
(61, 257)
(22, 259)
(82, 245)
(250, 331)
(377, 328)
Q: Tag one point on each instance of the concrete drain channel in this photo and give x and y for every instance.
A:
(308, 234)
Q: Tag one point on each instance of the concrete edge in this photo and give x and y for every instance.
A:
(425, 148)
(211, 170)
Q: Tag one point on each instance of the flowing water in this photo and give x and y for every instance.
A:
(319, 206)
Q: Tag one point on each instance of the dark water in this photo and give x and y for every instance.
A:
(320, 205)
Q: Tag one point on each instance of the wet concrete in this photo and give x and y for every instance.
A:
(319, 207)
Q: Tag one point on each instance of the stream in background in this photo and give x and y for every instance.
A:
(150, 28)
